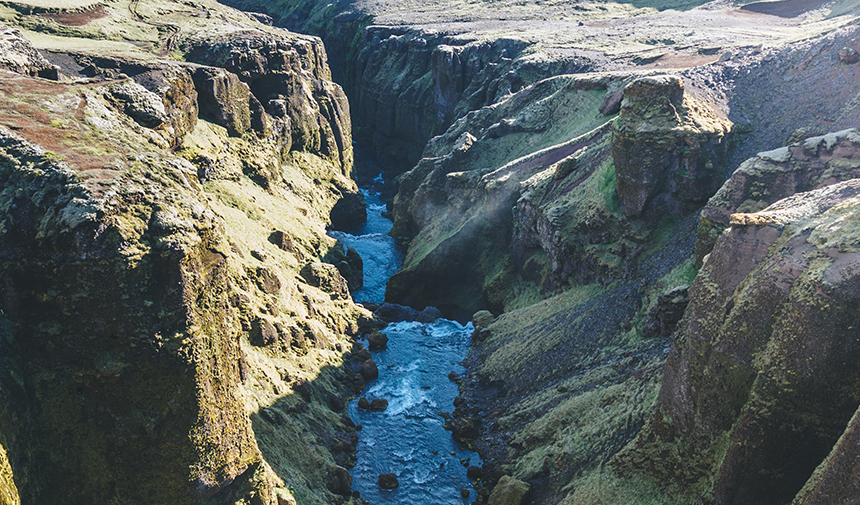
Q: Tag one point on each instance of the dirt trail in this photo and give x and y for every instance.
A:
(168, 44)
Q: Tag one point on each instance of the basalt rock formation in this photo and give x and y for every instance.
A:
(762, 379)
(566, 212)
(289, 80)
(168, 288)
(669, 148)
(773, 175)
(156, 343)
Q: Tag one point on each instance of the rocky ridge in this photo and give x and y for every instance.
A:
(765, 340)
(158, 339)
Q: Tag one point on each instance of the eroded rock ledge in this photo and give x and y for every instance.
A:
(761, 381)
(157, 340)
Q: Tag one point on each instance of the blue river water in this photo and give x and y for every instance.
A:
(408, 439)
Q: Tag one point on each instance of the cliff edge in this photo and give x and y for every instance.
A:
(159, 343)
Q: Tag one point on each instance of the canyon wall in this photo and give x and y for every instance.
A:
(164, 212)
(760, 383)
(159, 341)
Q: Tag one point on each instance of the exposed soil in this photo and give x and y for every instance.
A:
(785, 8)
(58, 132)
(76, 18)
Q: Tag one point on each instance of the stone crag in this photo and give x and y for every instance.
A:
(764, 355)
(669, 148)
(773, 175)
(155, 329)
(181, 203)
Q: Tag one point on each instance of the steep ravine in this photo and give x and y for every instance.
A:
(407, 438)
(177, 325)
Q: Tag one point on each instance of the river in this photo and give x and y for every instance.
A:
(407, 439)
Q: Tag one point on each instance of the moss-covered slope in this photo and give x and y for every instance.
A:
(158, 341)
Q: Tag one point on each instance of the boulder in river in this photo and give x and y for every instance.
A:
(377, 340)
(428, 315)
(391, 312)
(379, 404)
(474, 473)
(348, 212)
(388, 481)
(369, 370)
(363, 403)
(463, 429)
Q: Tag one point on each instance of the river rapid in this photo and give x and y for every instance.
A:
(407, 439)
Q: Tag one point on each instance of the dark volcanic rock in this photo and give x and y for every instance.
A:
(369, 370)
(666, 312)
(474, 473)
(326, 277)
(773, 175)
(849, 55)
(348, 212)
(392, 312)
(349, 264)
(262, 333)
(428, 315)
(668, 147)
(378, 404)
(377, 340)
(223, 98)
(388, 481)
(18, 55)
(341, 481)
(463, 429)
(316, 113)
(303, 388)
(764, 375)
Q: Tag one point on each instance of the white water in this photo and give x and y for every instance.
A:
(408, 439)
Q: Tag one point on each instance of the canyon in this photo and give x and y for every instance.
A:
(647, 212)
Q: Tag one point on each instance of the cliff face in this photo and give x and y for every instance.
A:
(552, 215)
(457, 215)
(289, 80)
(765, 355)
(154, 331)
(669, 148)
(772, 175)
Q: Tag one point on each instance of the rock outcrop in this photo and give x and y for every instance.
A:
(291, 87)
(773, 175)
(18, 55)
(455, 206)
(508, 491)
(157, 340)
(669, 148)
(762, 378)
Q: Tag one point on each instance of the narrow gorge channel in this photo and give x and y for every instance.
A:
(408, 439)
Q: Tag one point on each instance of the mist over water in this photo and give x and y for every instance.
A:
(408, 439)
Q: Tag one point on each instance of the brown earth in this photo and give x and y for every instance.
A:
(77, 18)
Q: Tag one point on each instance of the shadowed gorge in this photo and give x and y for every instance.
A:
(231, 234)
